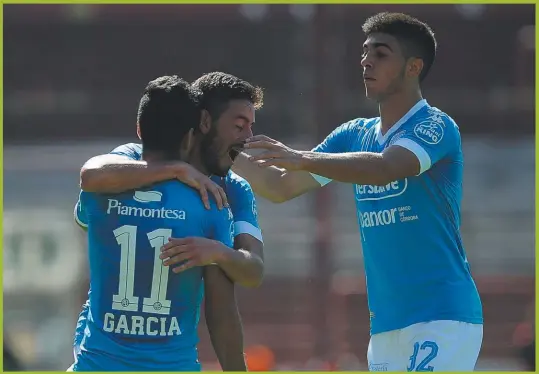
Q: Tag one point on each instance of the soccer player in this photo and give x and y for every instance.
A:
(406, 167)
(141, 316)
(228, 114)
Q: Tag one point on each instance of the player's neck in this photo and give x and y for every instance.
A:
(151, 156)
(394, 107)
(195, 160)
(154, 156)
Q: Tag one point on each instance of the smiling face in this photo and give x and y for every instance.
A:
(384, 66)
(226, 136)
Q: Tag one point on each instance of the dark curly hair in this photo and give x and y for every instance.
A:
(416, 37)
(168, 109)
(218, 89)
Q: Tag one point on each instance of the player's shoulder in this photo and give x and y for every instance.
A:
(178, 192)
(88, 199)
(128, 149)
(357, 124)
(170, 194)
(236, 181)
(432, 124)
(435, 115)
(224, 214)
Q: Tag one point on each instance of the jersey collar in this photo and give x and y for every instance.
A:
(382, 138)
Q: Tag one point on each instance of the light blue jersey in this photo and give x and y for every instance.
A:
(415, 264)
(140, 316)
(240, 195)
(242, 204)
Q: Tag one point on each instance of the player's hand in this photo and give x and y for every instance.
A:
(191, 252)
(275, 153)
(192, 177)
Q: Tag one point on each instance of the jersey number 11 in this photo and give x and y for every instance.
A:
(125, 300)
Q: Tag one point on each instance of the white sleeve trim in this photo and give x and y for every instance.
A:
(320, 179)
(77, 220)
(418, 151)
(244, 227)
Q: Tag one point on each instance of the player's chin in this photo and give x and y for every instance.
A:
(371, 92)
(374, 95)
(224, 167)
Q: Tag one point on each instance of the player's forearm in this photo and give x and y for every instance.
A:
(104, 174)
(223, 320)
(227, 342)
(272, 183)
(356, 167)
(242, 267)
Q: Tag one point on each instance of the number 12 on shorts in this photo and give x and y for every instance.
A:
(428, 346)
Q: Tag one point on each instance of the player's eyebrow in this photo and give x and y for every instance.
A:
(241, 116)
(377, 45)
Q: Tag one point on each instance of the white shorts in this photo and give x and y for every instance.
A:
(429, 346)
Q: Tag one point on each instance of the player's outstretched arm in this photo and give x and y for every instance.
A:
(223, 319)
(113, 173)
(413, 153)
(351, 167)
(394, 163)
(272, 183)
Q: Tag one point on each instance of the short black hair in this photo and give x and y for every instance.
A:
(218, 89)
(168, 109)
(416, 37)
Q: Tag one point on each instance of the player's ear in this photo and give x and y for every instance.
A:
(205, 122)
(138, 131)
(188, 142)
(414, 67)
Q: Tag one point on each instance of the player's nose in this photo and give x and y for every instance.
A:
(246, 133)
(366, 62)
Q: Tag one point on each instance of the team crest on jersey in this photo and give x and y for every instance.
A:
(431, 130)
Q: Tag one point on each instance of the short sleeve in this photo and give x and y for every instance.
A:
(81, 324)
(340, 140)
(431, 140)
(243, 205)
(223, 226)
(131, 150)
(80, 213)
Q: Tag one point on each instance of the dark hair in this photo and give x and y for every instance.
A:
(416, 37)
(168, 109)
(218, 89)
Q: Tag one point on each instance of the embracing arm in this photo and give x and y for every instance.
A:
(272, 183)
(111, 173)
(245, 265)
(223, 319)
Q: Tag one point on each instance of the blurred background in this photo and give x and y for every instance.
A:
(73, 75)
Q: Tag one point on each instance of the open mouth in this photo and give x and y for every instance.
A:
(234, 152)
